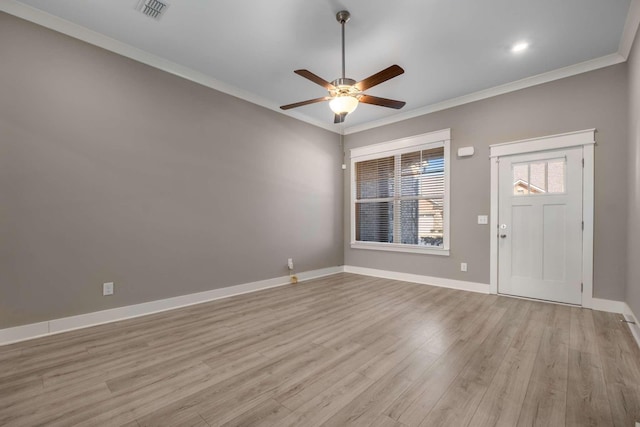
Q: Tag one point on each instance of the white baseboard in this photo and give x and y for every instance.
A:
(635, 328)
(56, 326)
(418, 278)
(24, 332)
(619, 307)
(608, 305)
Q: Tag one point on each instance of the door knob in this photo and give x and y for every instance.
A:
(503, 236)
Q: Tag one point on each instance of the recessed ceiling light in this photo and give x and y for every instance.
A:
(519, 47)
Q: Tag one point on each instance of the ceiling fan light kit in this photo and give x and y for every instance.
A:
(344, 104)
(345, 94)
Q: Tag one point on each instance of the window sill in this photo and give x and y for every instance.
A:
(392, 247)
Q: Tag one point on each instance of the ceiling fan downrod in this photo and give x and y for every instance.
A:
(344, 86)
(343, 17)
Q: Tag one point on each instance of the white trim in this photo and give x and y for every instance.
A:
(56, 326)
(551, 142)
(24, 332)
(608, 305)
(84, 34)
(635, 329)
(446, 241)
(60, 25)
(386, 149)
(584, 138)
(630, 29)
(421, 279)
(398, 247)
(400, 144)
(588, 205)
(493, 228)
(560, 73)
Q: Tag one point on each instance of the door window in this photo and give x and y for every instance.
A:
(539, 177)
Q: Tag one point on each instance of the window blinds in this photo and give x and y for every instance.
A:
(400, 199)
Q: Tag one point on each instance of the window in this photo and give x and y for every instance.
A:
(539, 177)
(400, 199)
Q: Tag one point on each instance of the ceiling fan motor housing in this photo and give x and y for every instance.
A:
(343, 82)
(344, 87)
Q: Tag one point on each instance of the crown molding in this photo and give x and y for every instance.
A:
(60, 25)
(550, 76)
(79, 32)
(630, 29)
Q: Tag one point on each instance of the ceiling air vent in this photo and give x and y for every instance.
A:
(153, 8)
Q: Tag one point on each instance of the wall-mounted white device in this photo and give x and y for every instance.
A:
(107, 288)
(465, 151)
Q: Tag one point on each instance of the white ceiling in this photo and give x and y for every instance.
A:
(449, 49)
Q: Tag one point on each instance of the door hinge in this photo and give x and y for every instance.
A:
(581, 287)
(582, 225)
(582, 162)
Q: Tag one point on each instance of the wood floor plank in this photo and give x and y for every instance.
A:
(412, 406)
(503, 400)
(460, 402)
(301, 392)
(582, 332)
(131, 405)
(545, 401)
(186, 417)
(327, 403)
(340, 350)
(367, 407)
(268, 413)
(620, 373)
(587, 402)
(46, 409)
(384, 421)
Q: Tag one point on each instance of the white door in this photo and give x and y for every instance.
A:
(540, 225)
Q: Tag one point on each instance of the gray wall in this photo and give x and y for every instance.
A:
(114, 171)
(632, 296)
(597, 99)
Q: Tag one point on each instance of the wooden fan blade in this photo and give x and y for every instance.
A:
(316, 79)
(339, 118)
(382, 76)
(307, 102)
(383, 102)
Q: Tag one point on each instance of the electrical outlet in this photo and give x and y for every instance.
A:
(290, 263)
(463, 266)
(483, 219)
(107, 288)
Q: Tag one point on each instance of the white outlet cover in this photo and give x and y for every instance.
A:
(463, 266)
(483, 219)
(107, 289)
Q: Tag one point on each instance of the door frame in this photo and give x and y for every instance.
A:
(584, 139)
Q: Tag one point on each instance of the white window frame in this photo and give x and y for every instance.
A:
(425, 141)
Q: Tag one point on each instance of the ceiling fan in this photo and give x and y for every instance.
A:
(345, 94)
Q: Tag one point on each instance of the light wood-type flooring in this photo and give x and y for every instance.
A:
(341, 350)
